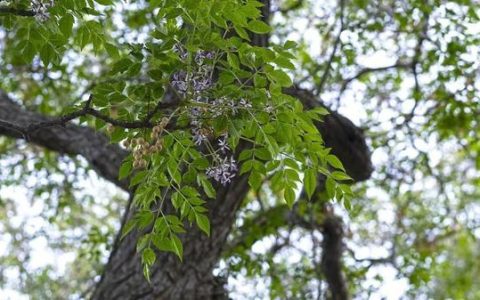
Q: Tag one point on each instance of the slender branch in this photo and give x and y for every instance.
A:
(326, 73)
(365, 71)
(332, 246)
(70, 139)
(294, 6)
(13, 127)
(86, 110)
(16, 12)
(390, 259)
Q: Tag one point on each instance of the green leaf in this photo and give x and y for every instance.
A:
(281, 78)
(246, 166)
(207, 187)
(46, 54)
(258, 26)
(289, 195)
(337, 175)
(310, 182)
(146, 272)
(139, 177)
(125, 169)
(148, 256)
(104, 2)
(177, 246)
(172, 168)
(241, 32)
(66, 25)
(255, 180)
(203, 223)
(289, 45)
(233, 60)
(128, 227)
(144, 219)
(335, 162)
(330, 187)
(28, 51)
(163, 244)
(143, 242)
(284, 63)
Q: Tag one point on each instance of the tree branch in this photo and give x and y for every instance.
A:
(332, 246)
(16, 12)
(69, 139)
(365, 71)
(326, 73)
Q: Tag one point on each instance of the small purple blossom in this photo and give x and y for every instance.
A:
(181, 51)
(269, 109)
(201, 83)
(222, 143)
(199, 79)
(244, 103)
(224, 171)
(41, 10)
(179, 82)
(201, 55)
(199, 136)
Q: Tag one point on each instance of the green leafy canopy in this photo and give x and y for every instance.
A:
(230, 118)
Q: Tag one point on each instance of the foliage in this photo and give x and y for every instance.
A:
(180, 85)
(244, 110)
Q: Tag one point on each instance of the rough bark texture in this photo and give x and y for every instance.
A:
(332, 247)
(70, 139)
(339, 133)
(172, 279)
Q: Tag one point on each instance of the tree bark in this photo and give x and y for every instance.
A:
(103, 157)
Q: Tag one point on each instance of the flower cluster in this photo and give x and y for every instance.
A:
(196, 81)
(224, 170)
(226, 106)
(141, 147)
(194, 84)
(41, 10)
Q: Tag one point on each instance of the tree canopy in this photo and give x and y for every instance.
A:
(207, 149)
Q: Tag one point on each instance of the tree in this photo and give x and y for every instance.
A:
(189, 107)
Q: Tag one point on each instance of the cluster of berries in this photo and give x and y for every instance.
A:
(141, 148)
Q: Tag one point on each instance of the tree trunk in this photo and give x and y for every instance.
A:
(172, 279)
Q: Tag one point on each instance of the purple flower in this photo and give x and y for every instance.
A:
(201, 55)
(41, 10)
(199, 136)
(223, 172)
(222, 143)
(201, 83)
(179, 82)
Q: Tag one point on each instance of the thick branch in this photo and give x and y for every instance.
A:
(365, 71)
(336, 44)
(70, 139)
(339, 133)
(16, 12)
(332, 246)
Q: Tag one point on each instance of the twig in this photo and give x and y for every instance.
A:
(326, 73)
(17, 12)
(86, 110)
